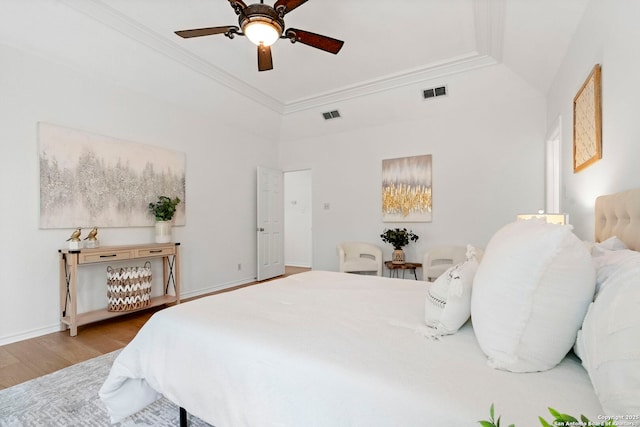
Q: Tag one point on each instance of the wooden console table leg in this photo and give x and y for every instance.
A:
(62, 265)
(165, 274)
(176, 267)
(171, 273)
(73, 294)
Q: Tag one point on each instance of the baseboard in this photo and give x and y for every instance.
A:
(33, 333)
(37, 332)
(216, 288)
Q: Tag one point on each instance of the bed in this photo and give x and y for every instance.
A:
(336, 349)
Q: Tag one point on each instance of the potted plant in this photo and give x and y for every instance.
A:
(163, 211)
(398, 238)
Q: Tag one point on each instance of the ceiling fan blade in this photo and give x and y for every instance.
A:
(288, 5)
(238, 2)
(328, 44)
(265, 62)
(237, 5)
(199, 32)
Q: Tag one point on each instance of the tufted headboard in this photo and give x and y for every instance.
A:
(619, 215)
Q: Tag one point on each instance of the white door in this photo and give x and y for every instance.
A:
(270, 227)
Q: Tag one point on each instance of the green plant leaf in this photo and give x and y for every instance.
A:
(544, 422)
(569, 418)
(559, 419)
(398, 237)
(562, 417)
(164, 208)
(555, 413)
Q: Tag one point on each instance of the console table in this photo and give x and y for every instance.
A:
(393, 268)
(71, 259)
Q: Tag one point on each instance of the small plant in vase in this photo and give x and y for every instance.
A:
(398, 238)
(163, 211)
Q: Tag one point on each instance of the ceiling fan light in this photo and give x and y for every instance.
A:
(260, 31)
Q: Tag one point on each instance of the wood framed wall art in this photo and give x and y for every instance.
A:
(587, 122)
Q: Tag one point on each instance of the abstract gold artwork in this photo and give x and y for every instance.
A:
(406, 189)
(587, 122)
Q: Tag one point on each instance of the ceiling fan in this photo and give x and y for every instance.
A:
(264, 25)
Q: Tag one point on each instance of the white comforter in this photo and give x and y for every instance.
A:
(328, 349)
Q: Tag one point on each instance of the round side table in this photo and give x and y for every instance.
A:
(394, 269)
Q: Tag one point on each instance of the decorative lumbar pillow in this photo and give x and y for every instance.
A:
(530, 295)
(609, 344)
(448, 304)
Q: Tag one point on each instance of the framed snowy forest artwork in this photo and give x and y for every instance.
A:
(89, 180)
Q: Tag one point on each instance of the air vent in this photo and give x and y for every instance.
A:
(331, 115)
(433, 92)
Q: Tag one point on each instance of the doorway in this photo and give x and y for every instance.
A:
(552, 168)
(297, 219)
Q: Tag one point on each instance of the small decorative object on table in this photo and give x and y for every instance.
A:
(398, 238)
(163, 211)
(74, 239)
(92, 239)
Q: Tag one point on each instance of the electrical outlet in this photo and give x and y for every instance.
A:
(239, 266)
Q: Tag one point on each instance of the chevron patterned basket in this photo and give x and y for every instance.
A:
(129, 288)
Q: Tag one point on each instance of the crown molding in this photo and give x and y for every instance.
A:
(434, 71)
(489, 22)
(126, 26)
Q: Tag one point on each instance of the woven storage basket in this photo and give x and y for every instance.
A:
(129, 288)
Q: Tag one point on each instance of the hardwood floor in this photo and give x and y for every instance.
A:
(28, 359)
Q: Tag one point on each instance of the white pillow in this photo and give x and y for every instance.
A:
(606, 262)
(448, 303)
(613, 243)
(530, 295)
(609, 343)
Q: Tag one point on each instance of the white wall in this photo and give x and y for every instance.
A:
(221, 181)
(608, 34)
(486, 138)
(487, 142)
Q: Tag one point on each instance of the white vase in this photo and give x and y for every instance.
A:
(397, 257)
(163, 231)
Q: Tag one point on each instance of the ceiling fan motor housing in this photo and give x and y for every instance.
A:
(259, 12)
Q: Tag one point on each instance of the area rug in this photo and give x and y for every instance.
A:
(69, 397)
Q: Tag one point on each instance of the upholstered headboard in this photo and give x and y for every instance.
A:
(619, 215)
